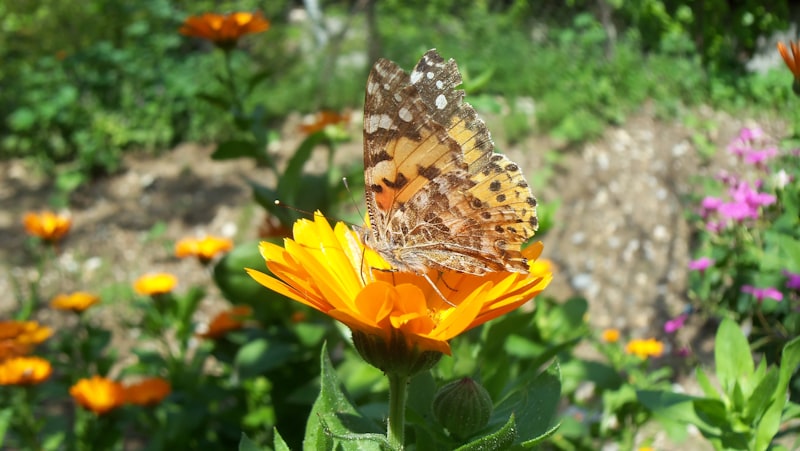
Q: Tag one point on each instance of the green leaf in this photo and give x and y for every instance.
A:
(732, 357)
(333, 415)
(218, 101)
(500, 440)
(245, 444)
(5, 421)
(771, 421)
(236, 285)
(705, 383)
(534, 402)
(229, 150)
(762, 396)
(279, 444)
(261, 355)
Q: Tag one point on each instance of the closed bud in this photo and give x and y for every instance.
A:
(463, 407)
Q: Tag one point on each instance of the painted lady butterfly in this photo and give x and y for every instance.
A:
(438, 196)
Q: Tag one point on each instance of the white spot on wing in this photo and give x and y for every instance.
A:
(397, 97)
(376, 121)
(439, 84)
(372, 87)
(416, 76)
(429, 75)
(405, 114)
(441, 102)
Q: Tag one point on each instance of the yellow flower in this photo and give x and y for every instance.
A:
(77, 302)
(98, 394)
(155, 284)
(17, 338)
(47, 225)
(323, 119)
(330, 270)
(645, 348)
(24, 371)
(611, 335)
(204, 248)
(147, 392)
(227, 321)
(224, 30)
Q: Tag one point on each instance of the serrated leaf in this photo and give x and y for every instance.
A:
(534, 402)
(500, 440)
(245, 444)
(333, 414)
(230, 150)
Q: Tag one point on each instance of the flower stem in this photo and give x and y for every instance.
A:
(398, 393)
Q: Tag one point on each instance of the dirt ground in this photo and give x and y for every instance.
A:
(620, 236)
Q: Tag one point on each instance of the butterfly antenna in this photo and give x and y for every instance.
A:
(352, 199)
(281, 204)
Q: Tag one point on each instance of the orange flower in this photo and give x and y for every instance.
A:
(227, 321)
(98, 394)
(155, 284)
(323, 119)
(611, 335)
(17, 338)
(224, 30)
(645, 348)
(77, 302)
(47, 225)
(792, 62)
(147, 392)
(24, 371)
(204, 248)
(331, 271)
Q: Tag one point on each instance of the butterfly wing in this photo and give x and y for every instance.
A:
(437, 194)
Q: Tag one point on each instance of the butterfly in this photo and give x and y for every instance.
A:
(438, 196)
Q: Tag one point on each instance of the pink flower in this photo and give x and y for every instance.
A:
(759, 157)
(792, 280)
(763, 293)
(675, 323)
(751, 134)
(711, 203)
(701, 264)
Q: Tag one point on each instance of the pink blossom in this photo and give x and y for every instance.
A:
(711, 203)
(763, 293)
(675, 323)
(701, 264)
(759, 157)
(792, 280)
(751, 134)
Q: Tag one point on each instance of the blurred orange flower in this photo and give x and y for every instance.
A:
(147, 392)
(224, 30)
(17, 338)
(227, 321)
(47, 225)
(323, 119)
(792, 60)
(24, 371)
(155, 284)
(611, 335)
(77, 302)
(645, 348)
(98, 394)
(330, 270)
(204, 248)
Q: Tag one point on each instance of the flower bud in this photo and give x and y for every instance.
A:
(394, 355)
(463, 407)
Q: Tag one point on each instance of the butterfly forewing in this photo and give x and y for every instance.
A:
(438, 196)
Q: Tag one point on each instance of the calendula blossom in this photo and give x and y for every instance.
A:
(224, 30)
(792, 61)
(611, 335)
(147, 392)
(204, 249)
(17, 338)
(24, 371)
(330, 270)
(155, 284)
(77, 302)
(645, 348)
(323, 119)
(227, 321)
(47, 225)
(98, 394)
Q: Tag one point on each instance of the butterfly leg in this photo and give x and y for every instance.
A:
(436, 289)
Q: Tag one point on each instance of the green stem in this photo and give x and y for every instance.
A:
(398, 393)
(237, 102)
